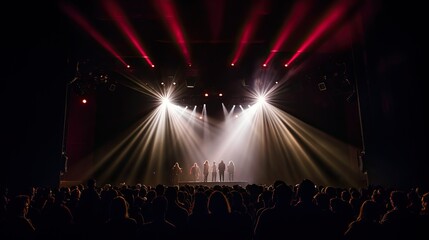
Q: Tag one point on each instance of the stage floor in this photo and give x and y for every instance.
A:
(181, 183)
(211, 184)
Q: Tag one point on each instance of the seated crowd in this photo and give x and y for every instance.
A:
(278, 211)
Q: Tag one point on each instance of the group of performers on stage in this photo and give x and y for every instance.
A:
(195, 171)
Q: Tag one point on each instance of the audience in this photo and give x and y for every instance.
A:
(277, 211)
(367, 225)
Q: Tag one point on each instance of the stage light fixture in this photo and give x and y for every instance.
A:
(322, 86)
(112, 87)
(190, 82)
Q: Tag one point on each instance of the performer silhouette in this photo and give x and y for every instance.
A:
(195, 172)
(176, 171)
(221, 168)
(214, 172)
(206, 170)
(231, 168)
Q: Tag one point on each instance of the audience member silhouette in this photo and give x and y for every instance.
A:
(147, 208)
(220, 222)
(380, 198)
(56, 219)
(367, 225)
(119, 225)
(160, 189)
(425, 204)
(184, 200)
(16, 224)
(342, 213)
(38, 199)
(240, 216)
(198, 224)
(176, 214)
(399, 222)
(89, 215)
(265, 201)
(328, 223)
(414, 202)
(355, 201)
(159, 227)
(308, 214)
(424, 215)
(73, 200)
(277, 222)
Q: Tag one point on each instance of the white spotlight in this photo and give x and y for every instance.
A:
(165, 101)
(261, 99)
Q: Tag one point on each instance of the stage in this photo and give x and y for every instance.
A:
(211, 184)
(181, 183)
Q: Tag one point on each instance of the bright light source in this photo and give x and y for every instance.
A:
(206, 94)
(152, 65)
(201, 117)
(128, 66)
(162, 83)
(286, 65)
(174, 83)
(261, 99)
(277, 82)
(264, 65)
(84, 101)
(232, 64)
(165, 101)
(220, 94)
